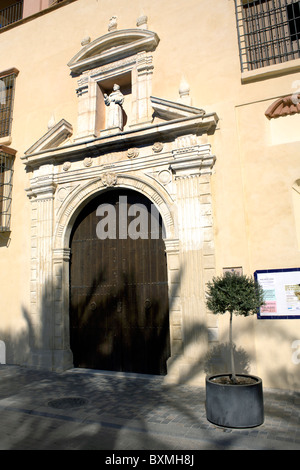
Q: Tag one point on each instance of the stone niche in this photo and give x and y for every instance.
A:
(120, 57)
(162, 150)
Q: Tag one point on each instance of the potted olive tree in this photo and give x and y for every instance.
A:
(234, 400)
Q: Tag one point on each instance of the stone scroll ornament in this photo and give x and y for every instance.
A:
(284, 106)
(115, 113)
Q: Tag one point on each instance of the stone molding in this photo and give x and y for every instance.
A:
(72, 205)
(112, 47)
(192, 161)
(148, 134)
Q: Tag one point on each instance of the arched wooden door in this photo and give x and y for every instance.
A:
(119, 318)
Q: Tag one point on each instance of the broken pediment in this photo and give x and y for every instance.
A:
(169, 110)
(111, 47)
(55, 136)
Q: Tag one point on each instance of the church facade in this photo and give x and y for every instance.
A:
(148, 149)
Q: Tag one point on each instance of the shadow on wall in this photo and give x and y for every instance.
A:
(14, 348)
(216, 360)
(5, 239)
(118, 331)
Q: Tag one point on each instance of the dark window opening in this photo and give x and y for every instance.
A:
(12, 12)
(268, 32)
(7, 157)
(7, 88)
(293, 12)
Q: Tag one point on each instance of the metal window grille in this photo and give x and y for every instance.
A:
(7, 88)
(11, 14)
(6, 178)
(268, 32)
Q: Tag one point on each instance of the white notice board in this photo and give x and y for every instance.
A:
(281, 293)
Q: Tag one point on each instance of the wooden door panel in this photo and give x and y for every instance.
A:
(119, 296)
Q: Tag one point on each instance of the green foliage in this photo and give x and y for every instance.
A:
(234, 293)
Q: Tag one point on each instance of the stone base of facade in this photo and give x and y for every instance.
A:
(183, 370)
(53, 360)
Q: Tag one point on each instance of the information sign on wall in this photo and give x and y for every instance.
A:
(281, 293)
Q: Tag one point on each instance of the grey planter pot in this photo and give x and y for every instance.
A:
(234, 406)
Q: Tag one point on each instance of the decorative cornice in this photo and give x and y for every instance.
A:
(192, 161)
(148, 134)
(12, 71)
(42, 188)
(284, 106)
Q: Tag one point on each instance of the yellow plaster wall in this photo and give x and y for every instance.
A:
(254, 217)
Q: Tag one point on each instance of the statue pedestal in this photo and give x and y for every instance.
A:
(110, 131)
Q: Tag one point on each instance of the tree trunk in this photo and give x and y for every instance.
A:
(233, 376)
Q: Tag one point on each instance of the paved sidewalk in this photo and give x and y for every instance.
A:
(84, 410)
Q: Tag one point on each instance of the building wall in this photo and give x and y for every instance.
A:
(256, 158)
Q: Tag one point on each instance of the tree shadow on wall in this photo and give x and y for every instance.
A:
(114, 404)
(217, 360)
(127, 330)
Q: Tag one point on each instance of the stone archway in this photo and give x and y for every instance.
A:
(62, 357)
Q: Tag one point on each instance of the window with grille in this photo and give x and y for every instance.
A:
(7, 156)
(268, 32)
(12, 12)
(7, 89)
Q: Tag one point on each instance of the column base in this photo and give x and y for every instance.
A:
(56, 360)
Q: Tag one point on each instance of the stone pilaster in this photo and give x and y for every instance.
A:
(89, 99)
(142, 88)
(40, 316)
(192, 167)
(175, 313)
(62, 355)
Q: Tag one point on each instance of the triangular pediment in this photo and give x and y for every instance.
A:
(169, 110)
(113, 46)
(55, 136)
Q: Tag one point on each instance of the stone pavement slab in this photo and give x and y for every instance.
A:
(93, 410)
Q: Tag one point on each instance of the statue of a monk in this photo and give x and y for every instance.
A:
(115, 114)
